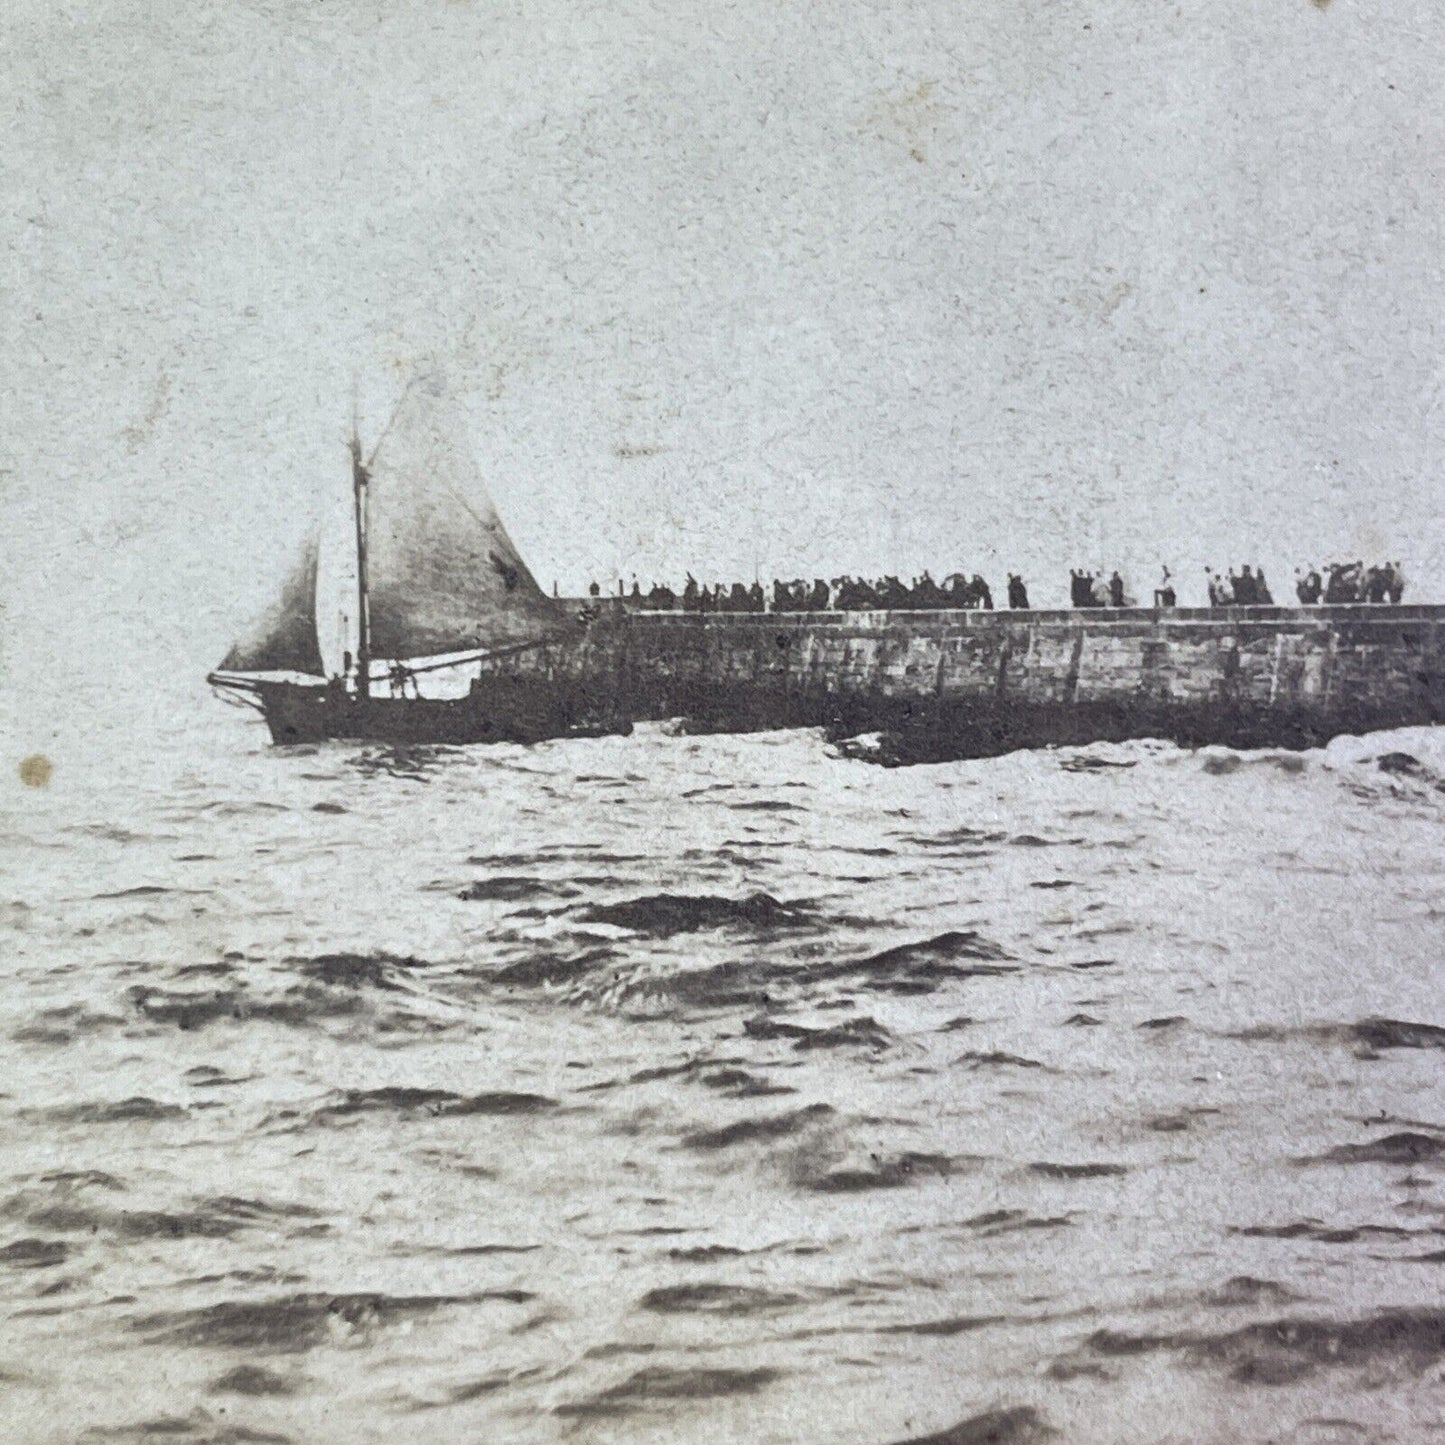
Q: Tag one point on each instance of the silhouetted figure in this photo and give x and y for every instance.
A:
(1344, 582)
(1308, 587)
(1018, 594)
(1116, 590)
(593, 590)
(1246, 592)
(1377, 585)
(1395, 584)
(689, 594)
(1164, 592)
(398, 677)
(925, 593)
(756, 601)
(982, 596)
(1221, 594)
(1262, 595)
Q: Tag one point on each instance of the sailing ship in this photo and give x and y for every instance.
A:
(440, 587)
(441, 591)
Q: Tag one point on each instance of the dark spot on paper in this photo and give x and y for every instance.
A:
(36, 771)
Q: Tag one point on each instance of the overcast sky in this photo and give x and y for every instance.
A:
(805, 288)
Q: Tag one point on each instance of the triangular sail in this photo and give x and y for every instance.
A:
(443, 575)
(284, 640)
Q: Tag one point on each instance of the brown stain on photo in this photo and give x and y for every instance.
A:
(909, 117)
(35, 771)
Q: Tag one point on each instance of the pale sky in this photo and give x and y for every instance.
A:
(806, 288)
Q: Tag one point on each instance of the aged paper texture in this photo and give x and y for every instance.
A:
(722, 722)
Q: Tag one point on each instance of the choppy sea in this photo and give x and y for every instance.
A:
(717, 1089)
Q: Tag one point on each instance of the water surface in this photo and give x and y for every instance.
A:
(667, 1088)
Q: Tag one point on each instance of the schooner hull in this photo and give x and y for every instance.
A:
(517, 714)
(939, 685)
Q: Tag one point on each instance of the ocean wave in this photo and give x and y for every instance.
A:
(661, 915)
(1289, 1350)
(844, 1090)
(294, 1324)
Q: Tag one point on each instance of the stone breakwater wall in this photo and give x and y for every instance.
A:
(981, 682)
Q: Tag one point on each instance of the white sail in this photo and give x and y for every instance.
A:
(443, 575)
(284, 639)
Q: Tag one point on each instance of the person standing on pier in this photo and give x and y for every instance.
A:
(1085, 589)
(1345, 582)
(1220, 592)
(1018, 594)
(1116, 590)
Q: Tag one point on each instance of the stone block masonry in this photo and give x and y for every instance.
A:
(974, 683)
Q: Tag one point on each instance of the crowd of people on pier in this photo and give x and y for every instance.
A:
(841, 594)
(1246, 587)
(1093, 589)
(1350, 582)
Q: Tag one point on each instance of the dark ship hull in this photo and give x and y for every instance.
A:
(507, 712)
(935, 685)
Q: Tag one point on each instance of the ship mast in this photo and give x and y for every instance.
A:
(363, 614)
